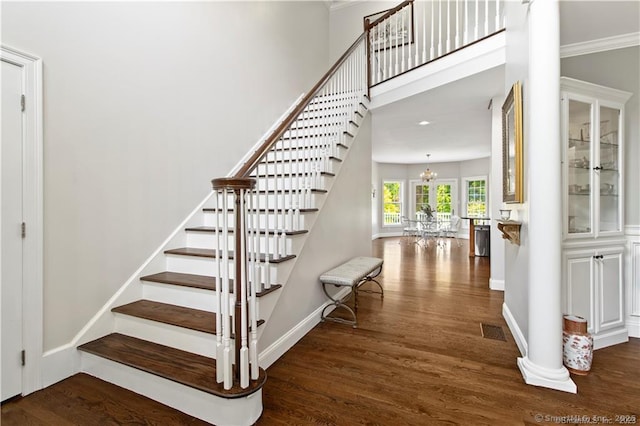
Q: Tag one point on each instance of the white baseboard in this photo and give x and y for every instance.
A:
(496, 284)
(59, 364)
(633, 325)
(611, 338)
(515, 330)
(290, 338)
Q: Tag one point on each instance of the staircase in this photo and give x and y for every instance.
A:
(186, 330)
(190, 336)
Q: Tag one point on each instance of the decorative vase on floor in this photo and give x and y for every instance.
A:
(577, 344)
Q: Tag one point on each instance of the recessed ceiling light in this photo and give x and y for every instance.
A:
(423, 123)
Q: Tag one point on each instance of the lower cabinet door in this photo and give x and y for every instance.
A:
(580, 285)
(609, 264)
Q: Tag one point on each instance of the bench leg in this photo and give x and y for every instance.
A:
(341, 303)
(371, 278)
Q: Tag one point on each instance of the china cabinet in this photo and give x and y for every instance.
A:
(593, 207)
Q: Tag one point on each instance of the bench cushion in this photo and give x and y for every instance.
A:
(351, 272)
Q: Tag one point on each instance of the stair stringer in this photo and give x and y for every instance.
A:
(335, 237)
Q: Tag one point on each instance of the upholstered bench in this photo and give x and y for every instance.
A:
(353, 274)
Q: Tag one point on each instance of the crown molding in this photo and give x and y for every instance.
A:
(600, 45)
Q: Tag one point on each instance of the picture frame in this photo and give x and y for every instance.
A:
(397, 31)
(512, 146)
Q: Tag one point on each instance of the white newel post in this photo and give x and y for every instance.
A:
(542, 365)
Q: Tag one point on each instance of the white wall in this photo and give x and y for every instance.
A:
(517, 257)
(618, 69)
(144, 104)
(411, 172)
(341, 231)
(347, 23)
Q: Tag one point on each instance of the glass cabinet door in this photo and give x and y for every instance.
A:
(608, 170)
(579, 165)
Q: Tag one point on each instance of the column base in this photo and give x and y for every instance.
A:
(535, 375)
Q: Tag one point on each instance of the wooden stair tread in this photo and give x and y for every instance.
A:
(180, 316)
(287, 160)
(214, 210)
(165, 313)
(196, 281)
(339, 144)
(272, 175)
(196, 371)
(200, 252)
(231, 230)
(273, 191)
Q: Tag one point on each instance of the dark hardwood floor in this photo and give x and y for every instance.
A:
(417, 358)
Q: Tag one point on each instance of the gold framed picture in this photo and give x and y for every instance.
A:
(512, 155)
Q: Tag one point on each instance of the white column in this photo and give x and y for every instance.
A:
(496, 281)
(542, 366)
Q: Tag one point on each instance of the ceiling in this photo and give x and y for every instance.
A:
(460, 122)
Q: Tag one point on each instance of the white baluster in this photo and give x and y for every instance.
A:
(465, 38)
(219, 345)
(241, 256)
(448, 26)
(255, 288)
(486, 17)
(440, 28)
(397, 47)
(498, 15)
(402, 45)
(457, 24)
(226, 316)
(282, 196)
(475, 31)
(433, 26)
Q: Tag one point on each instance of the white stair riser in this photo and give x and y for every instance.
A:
(211, 219)
(289, 168)
(196, 298)
(319, 121)
(274, 201)
(307, 155)
(206, 266)
(210, 408)
(297, 182)
(169, 335)
(208, 240)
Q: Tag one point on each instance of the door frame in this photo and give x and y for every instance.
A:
(33, 214)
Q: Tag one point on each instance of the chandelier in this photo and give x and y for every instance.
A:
(428, 175)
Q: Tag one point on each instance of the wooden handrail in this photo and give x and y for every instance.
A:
(368, 25)
(253, 161)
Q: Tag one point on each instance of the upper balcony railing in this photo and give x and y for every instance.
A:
(415, 33)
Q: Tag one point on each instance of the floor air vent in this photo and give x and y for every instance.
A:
(494, 332)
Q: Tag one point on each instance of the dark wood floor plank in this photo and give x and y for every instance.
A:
(416, 358)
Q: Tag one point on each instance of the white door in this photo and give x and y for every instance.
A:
(11, 169)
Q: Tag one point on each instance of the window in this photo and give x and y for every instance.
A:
(476, 189)
(392, 203)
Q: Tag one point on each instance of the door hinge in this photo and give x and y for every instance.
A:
(23, 102)
(23, 357)
(24, 230)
